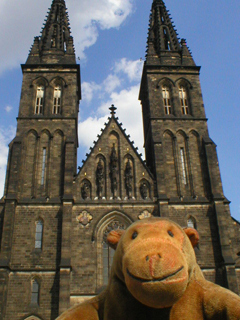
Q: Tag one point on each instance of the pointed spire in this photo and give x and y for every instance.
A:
(187, 58)
(55, 45)
(163, 42)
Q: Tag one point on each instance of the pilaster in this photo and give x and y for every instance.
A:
(7, 233)
(213, 169)
(12, 178)
(65, 264)
(228, 262)
(69, 169)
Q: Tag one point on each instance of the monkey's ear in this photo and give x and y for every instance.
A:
(113, 237)
(192, 235)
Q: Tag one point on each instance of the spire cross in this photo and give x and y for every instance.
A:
(112, 109)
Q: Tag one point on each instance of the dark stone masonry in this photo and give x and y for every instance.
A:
(54, 219)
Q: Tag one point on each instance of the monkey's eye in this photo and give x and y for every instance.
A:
(134, 235)
(170, 233)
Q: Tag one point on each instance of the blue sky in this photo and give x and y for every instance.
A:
(110, 40)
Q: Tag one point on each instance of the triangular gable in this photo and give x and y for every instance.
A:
(114, 169)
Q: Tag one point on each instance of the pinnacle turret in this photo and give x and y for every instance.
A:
(163, 44)
(55, 45)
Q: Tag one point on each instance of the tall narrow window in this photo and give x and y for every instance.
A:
(108, 254)
(54, 37)
(35, 292)
(183, 100)
(57, 100)
(39, 100)
(191, 223)
(43, 166)
(183, 166)
(39, 235)
(166, 100)
(166, 39)
(64, 41)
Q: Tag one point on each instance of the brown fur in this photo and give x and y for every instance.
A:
(155, 276)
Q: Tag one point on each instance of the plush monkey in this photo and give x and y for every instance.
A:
(155, 276)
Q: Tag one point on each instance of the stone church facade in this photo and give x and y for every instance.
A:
(55, 218)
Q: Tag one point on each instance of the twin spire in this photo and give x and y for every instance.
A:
(55, 45)
(163, 45)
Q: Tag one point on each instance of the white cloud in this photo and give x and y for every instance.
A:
(111, 83)
(5, 137)
(88, 90)
(122, 68)
(89, 129)
(86, 16)
(128, 111)
(126, 101)
(133, 69)
(8, 108)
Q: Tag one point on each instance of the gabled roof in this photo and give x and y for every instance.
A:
(115, 119)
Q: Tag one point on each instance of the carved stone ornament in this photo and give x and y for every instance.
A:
(86, 190)
(114, 171)
(113, 226)
(144, 214)
(100, 178)
(144, 190)
(84, 218)
(128, 179)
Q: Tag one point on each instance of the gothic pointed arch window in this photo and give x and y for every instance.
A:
(35, 290)
(191, 223)
(64, 41)
(57, 100)
(39, 234)
(54, 37)
(112, 221)
(183, 165)
(166, 100)
(39, 100)
(44, 154)
(184, 100)
(167, 44)
(107, 254)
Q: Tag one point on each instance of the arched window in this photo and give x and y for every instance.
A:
(107, 254)
(191, 223)
(35, 292)
(111, 221)
(57, 100)
(166, 100)
(183, 100)
(39, 235)
(64, 41)
(43, 166)
(54, 37)
(183, 166)
(166, 39)
(39, 100)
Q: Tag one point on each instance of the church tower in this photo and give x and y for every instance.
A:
(47, 119)
(39, 179)
(179, 151)
(54, 219)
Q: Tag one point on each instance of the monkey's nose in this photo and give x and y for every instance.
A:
(153, 263)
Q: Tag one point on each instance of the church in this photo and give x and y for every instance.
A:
(55, 217)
